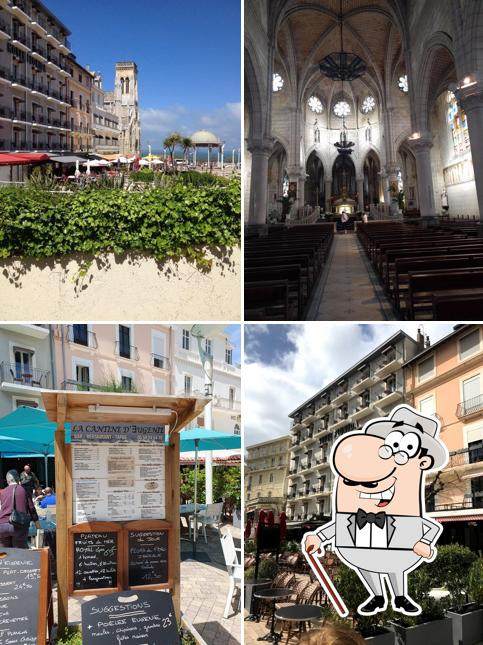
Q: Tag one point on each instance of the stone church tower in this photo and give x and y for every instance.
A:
(126, 106)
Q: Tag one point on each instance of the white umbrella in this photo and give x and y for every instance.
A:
(156, 162)
(88, 169)
(122, 160)
(144, 162)
(77, 171)
(97, 163)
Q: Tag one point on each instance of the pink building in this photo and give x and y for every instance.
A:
(131, 357)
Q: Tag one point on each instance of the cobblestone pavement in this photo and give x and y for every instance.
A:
(350, 289)
(204, 588)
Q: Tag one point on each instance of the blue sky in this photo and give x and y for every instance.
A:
(286, 364)
(234, 333)
(188, 55)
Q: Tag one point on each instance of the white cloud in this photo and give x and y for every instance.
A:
(224, 121)
(323, 351)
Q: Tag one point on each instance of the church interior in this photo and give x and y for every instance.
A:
(363, 159)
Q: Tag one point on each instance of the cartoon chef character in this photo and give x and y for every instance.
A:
(379, 527)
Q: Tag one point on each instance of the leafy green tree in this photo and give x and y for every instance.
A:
(170, 143)
(187, 144)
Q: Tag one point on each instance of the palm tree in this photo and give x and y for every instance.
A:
(187, 145)
(170, 143)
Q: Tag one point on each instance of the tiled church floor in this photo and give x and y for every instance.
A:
(349, 289)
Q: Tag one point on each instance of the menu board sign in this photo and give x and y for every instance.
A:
(118, 482)
(148, 557)
(23, 599)
(95, 557)
(92, 432)
(142, 618)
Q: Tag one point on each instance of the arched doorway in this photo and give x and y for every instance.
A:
(277, 179)
(314, 184)
(372, 168)
(343, 176)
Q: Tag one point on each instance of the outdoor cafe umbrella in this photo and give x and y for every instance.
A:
(198, 439)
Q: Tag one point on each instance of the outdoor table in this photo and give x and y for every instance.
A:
(255, 582)
(273, 595)
(298, 614)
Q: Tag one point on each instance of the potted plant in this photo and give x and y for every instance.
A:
(372, 628)
(431, 627)
(461, 572)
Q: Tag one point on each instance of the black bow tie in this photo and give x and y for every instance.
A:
(363, 518)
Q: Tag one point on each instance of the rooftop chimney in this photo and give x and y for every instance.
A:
(427, 342)
(420, 339)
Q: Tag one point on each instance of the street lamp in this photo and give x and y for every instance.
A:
(201, 332)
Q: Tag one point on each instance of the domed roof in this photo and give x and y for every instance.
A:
(205, 137)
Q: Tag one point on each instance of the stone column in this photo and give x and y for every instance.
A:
(259, 181)
(295, 175)
(422, 151)
(471, 99)
(360, 193)
(392, 179)
(328, 195)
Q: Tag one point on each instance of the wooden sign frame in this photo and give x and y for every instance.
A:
(95, 527)
(149, 525)
(63, 406)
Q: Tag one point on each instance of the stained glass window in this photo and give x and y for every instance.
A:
(403, 83)
(315, 104)
(458, 125)
(342, 108)
(277, 82)
(368, 105)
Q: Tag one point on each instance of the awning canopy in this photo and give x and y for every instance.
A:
(69, 159)
(207, 440)
(22, 159)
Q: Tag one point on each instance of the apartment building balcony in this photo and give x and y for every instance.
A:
(18, 145)
(21, 10)
(227, 404)
(466, 457)
(33, 331)
(5, 75)
(322, 430)
(342, 396)
(82, 386)
(6, 113)
(126, 351)
(20, 40)
(365, 381)
(79, 335)
(323, 408)
(17, 377)
(295, 441)
(308, 416)
(388, 397)
(297, 425)
(107, 147)
(39, 52)
(388, 365)
(469, 502)
(340, 423)
(470, 408)
(361, 412)
(5, 29)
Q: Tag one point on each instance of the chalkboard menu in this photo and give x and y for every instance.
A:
(23, 598)
(139, 618)
(148, 557)
(95, 557)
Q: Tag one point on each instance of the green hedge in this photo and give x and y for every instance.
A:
(161, 222)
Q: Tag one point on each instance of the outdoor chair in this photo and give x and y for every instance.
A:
(16, 379)
(298, 587)
(233, 567)
(211, 515)
(309, 595)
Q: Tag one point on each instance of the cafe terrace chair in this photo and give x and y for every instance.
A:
(233, 567)
(210, 515)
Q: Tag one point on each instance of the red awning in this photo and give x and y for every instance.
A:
(459, 518)
(21, 159)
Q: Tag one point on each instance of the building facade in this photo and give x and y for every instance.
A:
(105, 124)
(266, 469)
(447, 379)
(34, 75)
(135, 358)
(80, 115)
(369, 389)
(189, 377)
(124, 102)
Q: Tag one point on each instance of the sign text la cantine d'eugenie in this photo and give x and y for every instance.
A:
(92, 432)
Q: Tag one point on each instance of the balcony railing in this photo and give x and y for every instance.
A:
(469, 502)
(162, 362)
(5, 27)
(23, 375)
(226, 403)
(470, 406)
(81, 336)
(466, 456)
(126, 351)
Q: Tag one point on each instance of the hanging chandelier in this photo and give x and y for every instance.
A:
(342, 65)
(344, 146)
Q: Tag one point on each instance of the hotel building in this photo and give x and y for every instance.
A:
(448, 378)
(266, 468)
(105, 124)
(369, 389)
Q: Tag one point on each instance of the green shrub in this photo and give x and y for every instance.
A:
(475, 581)
(168, 222)
(250, 546)
(70, 637)
(145, 175)
(451, 569)
(267, 568)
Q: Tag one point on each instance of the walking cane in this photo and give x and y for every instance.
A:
(326, 584)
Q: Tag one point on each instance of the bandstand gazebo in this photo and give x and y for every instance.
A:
(206, 139)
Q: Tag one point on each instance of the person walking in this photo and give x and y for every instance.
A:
(29, 480)
(16, 498)
(344, 218)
